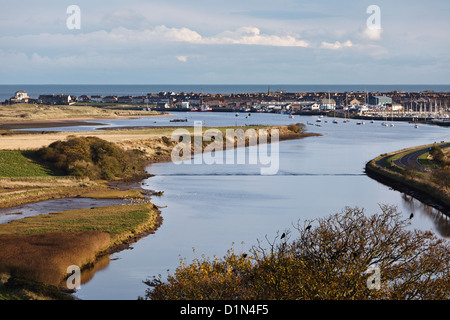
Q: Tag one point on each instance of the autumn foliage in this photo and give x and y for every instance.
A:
(331, 258)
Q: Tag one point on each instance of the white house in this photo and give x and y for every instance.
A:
(21, 95)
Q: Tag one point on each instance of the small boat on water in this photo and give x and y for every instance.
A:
(201, 109)
(335, 121)
(179, 120)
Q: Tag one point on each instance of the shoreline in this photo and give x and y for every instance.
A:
(420, 189)
(125, 244)
(68, 122)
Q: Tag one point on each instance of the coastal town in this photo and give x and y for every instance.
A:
(424, 106)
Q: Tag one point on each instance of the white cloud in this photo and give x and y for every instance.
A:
(371, 34)
(182, 58)
(253, 36)
(126, 38)
(337, 45)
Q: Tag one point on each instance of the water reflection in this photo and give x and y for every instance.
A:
(210, 207)
(54, 205)
(439, 218)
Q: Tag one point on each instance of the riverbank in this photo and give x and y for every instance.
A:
(418, 184)
(23, 114)
(47, 235)
(41, 248)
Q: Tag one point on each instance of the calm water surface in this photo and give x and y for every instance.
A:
(212, 208)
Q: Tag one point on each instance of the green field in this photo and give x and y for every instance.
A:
(18, 164)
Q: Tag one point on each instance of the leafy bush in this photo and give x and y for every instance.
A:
(438, 155)
(331, 259)
(92, 157)
(296, 128)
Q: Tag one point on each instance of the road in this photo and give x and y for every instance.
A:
(412, 158)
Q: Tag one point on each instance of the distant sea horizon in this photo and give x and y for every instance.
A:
(34, 90)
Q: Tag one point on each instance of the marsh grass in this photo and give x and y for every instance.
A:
(115, 194)
(18, 191)
(42, 247)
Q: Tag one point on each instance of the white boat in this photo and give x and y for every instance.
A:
(335, 121)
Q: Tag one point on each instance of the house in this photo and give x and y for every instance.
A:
(379, 100)
(96, 99)
(328, 104)
(21, 95)
(125, 99)
(54, 99)
(110, 99)
(84, 98)
(139, 99)
(355, 102)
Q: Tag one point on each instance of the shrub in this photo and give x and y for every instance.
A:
(327, 261)
(294, 128)
(92, 157)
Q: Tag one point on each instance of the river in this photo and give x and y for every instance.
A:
(211, 208)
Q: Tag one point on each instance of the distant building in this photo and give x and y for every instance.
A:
(54, 99)
(328, 104)
(19, 97)
(379, 100)
(395, 107)
(84, 98)
(355, 102)
(185, 105)
(110, 99)
(96, 99)
(125, 99)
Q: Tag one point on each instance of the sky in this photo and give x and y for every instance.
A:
(225, 42)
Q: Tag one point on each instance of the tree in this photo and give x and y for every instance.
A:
(442, 177)
(438, 155)
(331, 258)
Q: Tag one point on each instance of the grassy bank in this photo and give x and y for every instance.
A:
(39, 112)
(384, 169)
(17, 163)
(18, 191)
(40, 248)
